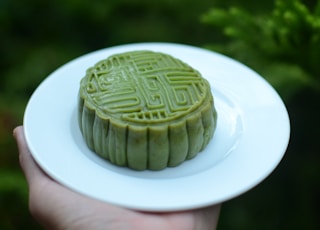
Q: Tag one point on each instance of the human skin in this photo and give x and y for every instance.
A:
(56, 207)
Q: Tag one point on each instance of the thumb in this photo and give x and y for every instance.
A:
(28, 165)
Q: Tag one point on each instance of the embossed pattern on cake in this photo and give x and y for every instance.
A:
(145, 110)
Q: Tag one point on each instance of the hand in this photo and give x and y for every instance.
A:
(56, 207)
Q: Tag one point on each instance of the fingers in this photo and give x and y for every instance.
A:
(207, 218)
(28, 165)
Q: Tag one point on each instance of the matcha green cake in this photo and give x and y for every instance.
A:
(145, 110)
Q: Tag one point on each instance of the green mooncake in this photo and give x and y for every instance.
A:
(145, 110)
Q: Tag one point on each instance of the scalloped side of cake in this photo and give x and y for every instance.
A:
(152, 147)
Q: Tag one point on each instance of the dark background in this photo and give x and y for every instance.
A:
(36, 37)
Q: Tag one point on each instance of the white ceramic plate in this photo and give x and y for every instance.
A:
(251, 137)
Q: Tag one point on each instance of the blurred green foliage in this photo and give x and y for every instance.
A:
(283, 44)
(279, 39)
